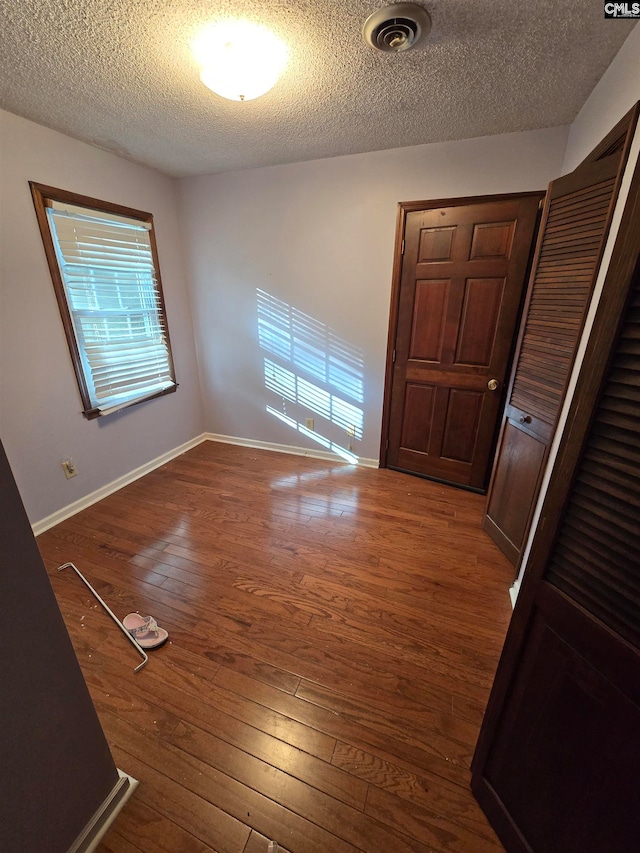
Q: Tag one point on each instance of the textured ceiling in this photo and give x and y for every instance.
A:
(119, 74)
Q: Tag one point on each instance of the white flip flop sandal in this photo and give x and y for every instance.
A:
(145, 630)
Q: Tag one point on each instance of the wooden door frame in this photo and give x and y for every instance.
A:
(623, 268)
(405, 207)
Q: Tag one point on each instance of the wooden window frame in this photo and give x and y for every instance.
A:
(41, 195)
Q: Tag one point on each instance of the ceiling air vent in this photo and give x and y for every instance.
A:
(395, 28)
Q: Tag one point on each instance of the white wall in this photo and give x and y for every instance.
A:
(40, 409)
(319, 236)
(614, 95)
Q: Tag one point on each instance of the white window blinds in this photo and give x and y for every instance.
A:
(108, 274)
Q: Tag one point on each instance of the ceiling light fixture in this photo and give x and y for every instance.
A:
(239, 60)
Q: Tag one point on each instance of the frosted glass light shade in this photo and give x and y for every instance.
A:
(240, 60)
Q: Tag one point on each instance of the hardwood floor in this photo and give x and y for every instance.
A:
(334, 633)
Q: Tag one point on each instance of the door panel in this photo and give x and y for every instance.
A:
(461, 424)
(514, 486)
(492, 240)
(435, 244)
(480, 313)
(418, 400)
(575, 224)
(427, 334)
(565, 776)
(458, 300)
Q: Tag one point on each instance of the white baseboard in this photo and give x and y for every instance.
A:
(75, 507)
(95, 830)
(288, 448)
(514, 589)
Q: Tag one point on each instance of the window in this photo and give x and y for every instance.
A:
(104, 266)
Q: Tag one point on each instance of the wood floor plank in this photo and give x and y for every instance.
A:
(259, 844)
(113, 842)
(360, 678)
(410, 600)
(201, 686)
(334, 632)
(436, 831)
(434, 795)
(409, 755)
(198, 782)
(196, 814)
(279, 726)
(156, 706)
(151, 830)
(342, 821)
(456, 670)
(453, 758)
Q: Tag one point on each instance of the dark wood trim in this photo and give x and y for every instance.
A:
(92, 414)
(156, 264)
(623, 269)
(41, 194)
(405, 207)
(401, 218)
(476, 490)
(413, 206)
(56, 194)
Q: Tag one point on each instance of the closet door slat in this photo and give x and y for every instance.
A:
(563, 279)
(596, 559)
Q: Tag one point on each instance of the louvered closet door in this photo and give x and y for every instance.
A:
(575, 223)
(558, 761)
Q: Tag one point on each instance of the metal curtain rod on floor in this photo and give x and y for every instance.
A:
(111, 613)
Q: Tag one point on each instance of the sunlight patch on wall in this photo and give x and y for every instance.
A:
(292, 387)
(309, 345)
(314, 371)
(312, 434)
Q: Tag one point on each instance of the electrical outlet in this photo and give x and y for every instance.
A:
(309, 423)
(351, 430)
(69, 468)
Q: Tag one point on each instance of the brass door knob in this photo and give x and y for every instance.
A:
(493, 385)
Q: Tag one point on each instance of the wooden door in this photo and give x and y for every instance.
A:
(575, 223)
(557, 764)
(462, 274)
(58, 780)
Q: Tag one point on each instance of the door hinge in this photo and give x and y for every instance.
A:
(402, 248)
(393, 357)
(541, 203)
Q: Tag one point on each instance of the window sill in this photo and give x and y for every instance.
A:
(92, 414)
